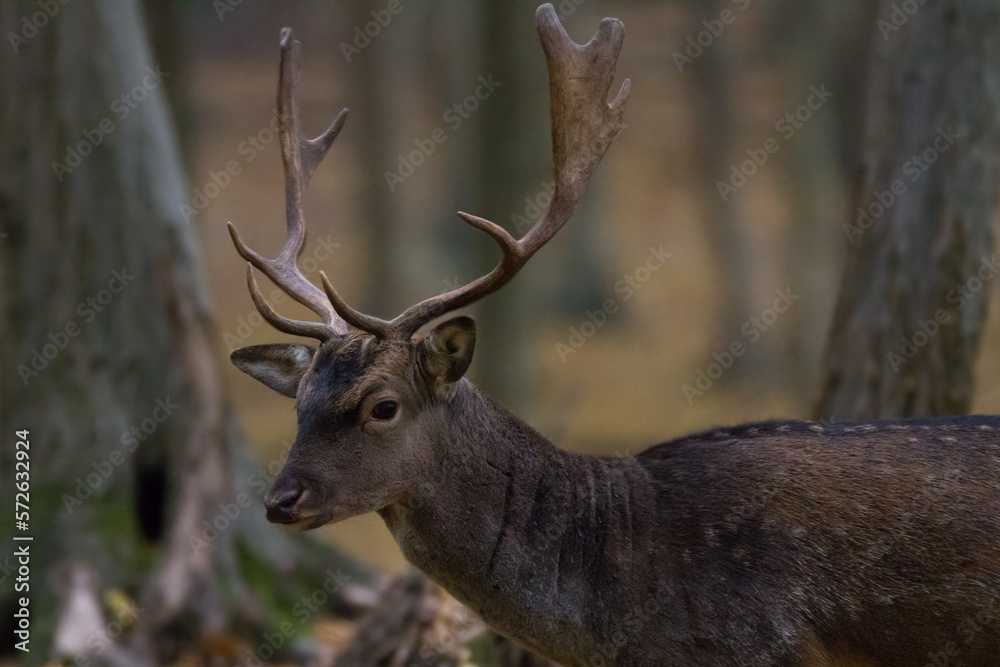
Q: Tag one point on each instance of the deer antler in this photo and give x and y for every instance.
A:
(583, 126)
(299, 157)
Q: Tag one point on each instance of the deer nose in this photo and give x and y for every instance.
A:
(281, 500)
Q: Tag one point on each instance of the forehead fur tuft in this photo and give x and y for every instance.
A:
(348, 369)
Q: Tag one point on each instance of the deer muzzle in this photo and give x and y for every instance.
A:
(284, 500)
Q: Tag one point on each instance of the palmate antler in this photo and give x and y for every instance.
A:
(583, 126)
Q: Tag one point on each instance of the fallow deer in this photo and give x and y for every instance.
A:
(777, 543)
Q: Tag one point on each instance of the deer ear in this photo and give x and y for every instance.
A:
(279, 366)
(449, 348)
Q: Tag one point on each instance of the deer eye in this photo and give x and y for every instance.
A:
(384, 410)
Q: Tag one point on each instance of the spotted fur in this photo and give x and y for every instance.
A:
(774, 543)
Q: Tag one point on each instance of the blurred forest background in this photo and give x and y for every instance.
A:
(600, 343)
(621, 390)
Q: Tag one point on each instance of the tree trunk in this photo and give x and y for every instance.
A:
(725, 227)
(912, 302)
(111, 359)
(510, 165)
(817, 168)
(378, 115)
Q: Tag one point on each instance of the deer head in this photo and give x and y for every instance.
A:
(370, 397)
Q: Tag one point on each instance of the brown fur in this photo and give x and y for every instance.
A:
(815, 654)
(780, 543)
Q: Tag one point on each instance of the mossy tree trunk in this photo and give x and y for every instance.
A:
(920, 261)
(111, 360)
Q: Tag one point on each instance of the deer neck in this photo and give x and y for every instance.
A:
(515, 528)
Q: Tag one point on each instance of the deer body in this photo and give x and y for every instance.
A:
(782, 543)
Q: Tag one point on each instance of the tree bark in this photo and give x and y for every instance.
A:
(725, 227)
(111, 359)
(507, 166)
(379, 113)
(912, 301)
(818, 167)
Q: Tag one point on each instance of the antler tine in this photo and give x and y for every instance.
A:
(299, 157)
(583, 126)
(583, 123)
(279, 322)
(511, 261)
(355, 318)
